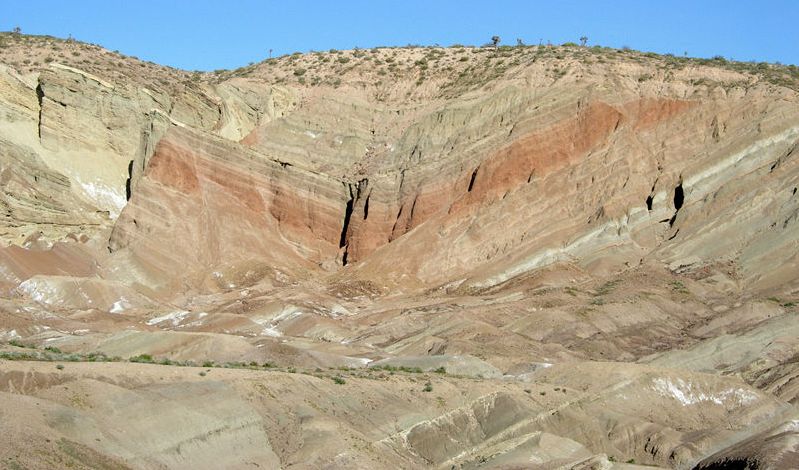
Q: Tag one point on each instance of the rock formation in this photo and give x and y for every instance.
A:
(547, 257)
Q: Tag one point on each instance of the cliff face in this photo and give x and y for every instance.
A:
(552, 159)
(486, 212)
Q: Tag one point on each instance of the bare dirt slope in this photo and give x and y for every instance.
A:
(529, 257)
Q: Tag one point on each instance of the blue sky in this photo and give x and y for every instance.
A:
(207, 35)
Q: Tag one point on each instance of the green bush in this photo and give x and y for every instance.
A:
(142, 358)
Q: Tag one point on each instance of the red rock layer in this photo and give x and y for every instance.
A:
(533, 155)
(205, 202)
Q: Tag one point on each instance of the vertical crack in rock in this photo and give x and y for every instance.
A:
(366, 207)
(651, 198)
(355, 191)
(347, 215)
(40, 99)
(396, 221)
(129, 181)
(471, 181)
(679, 199)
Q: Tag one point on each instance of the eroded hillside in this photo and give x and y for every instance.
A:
(417, 257)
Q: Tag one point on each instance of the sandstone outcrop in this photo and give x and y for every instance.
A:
(562, 257)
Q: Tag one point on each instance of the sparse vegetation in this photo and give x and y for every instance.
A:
(142, 358)
(679, 287)
(607, 287)
(20, 344)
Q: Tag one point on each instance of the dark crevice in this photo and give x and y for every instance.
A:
(402, 181)
(366, 208)
(396, 221)
(675, 234)
(471, 182)
(735, 463)
(679, 196)
(416, 152)
(650, 199)
(597, 215)
(778, 162)
(794, 190)
(40, 99)
(129, 181)
(413, 208)
(679, 199)
(347, 215)
(355, 191)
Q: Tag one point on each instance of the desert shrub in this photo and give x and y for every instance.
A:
(142, 358)
(20, 344)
